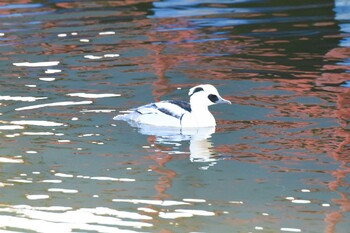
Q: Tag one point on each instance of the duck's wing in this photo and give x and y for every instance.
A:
(168, 113)
(173, 108)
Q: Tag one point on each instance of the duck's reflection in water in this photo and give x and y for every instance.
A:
(200, 144)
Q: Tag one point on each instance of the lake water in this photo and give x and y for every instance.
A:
(278, 160)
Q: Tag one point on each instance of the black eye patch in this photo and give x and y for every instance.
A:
(198, 89)
(213, 98)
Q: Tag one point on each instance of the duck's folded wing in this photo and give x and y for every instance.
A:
(171, 108)
(147, 109)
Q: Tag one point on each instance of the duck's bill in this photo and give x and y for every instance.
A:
(223, 101)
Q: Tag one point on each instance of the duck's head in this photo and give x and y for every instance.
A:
(205, 95)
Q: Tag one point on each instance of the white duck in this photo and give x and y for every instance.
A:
(177, 113)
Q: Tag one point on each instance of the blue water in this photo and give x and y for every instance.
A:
(277, 160)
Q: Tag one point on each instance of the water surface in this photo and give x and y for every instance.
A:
(276, 162)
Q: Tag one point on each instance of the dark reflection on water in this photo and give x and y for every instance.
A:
(277, 161)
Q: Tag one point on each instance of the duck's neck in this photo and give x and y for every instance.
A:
(202, 116)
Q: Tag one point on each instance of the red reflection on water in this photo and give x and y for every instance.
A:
(331, 82)
(162, 61)
(160, 160)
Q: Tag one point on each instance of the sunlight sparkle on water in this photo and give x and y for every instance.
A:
(56, 104)
(36, 122)
(92, 57)
(10, 127)
(290, 229)
(47, 79)
(22, 98)
(37, 64)
(106, 33)
(110, 55)
(93, 96)
(52, 71)
(152, 202)
(37, 196)
(274, 162)
(62, 190)
(65, 219)
(10, 160)
(64, 175)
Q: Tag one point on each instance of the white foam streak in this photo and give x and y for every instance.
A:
(174, 215)
(107, 33)
(301, 201)
(52, 71)
(37, 196)
(65, 219)
(152, 202)
(92, 57)
(51, 181)
(64, 175)
(22, 98)
(20, 181)
(62, 190)
(47, 79)
(184, 213)
(194, 200)
(93, 96)
(111, 55)
(120, 214)
(98, 110)
(56, 104)
(196, 212)
(290, 229)
(37, 64)
(37, 133)
(10, 160)
(10, 127)
(147, 210)
(103, 178)
(36, 123)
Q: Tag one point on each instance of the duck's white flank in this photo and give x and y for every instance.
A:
(177, 113)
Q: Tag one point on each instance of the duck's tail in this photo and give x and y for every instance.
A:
(123, 117)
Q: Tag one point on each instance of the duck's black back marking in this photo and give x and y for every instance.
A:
(167, 112)
(182, 104)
